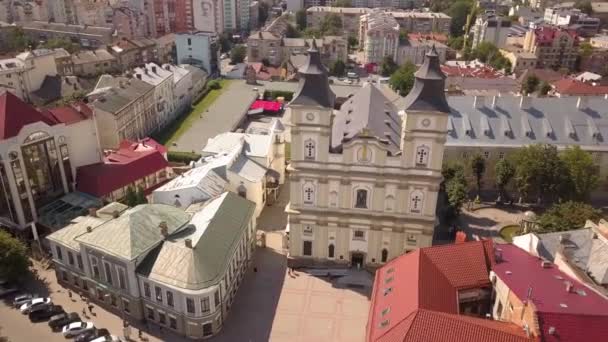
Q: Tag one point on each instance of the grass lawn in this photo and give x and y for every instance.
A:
(185, 121)
(508, 232)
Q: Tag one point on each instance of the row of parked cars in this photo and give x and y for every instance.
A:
(70, 324)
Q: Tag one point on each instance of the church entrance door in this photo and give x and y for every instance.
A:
(357, 259)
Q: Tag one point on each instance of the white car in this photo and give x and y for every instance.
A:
(27, 307)
(109, 338)
(76, 328)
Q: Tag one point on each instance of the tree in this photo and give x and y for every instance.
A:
(459, 11)
(402, 80)
(141, 196)
(301, 19)
(343, 3)
(131, 197)
(485, 51)
(545, 88)
(18, 41)
(237, 54)
(225, 42)
(583, 172)
(388, 66)
(352, 41)
(504, 171)
(214, 85)
(338, 68)
(63, 43)
(478, 166)
(291, 32)
(455, 185)
(14, 262)
(403, 35)
(331, 25)
(456, 43)
(567, 216)
(585, 49)
(540, 173)
(585, 6)
(263, 10)
(530, 84)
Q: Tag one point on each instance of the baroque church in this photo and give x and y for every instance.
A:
(364, 179)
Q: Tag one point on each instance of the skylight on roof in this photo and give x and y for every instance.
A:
(563, 305)
(388, 290)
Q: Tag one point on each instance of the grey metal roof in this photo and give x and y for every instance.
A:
(428, 92)
(135, 231)
(122, 91)
(214, 232)
(368, 109)
(248, 169)
(314, 87)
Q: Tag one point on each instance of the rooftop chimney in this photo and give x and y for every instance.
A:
(498, 255)
(545, 264)
(138, 76)
(525, 102)
(188, 243)
(168, 67)
(551, 330)
(93, 212)
(164, 230)
(89, 229)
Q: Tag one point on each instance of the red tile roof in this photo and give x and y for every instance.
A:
(119, 169)
(546, 34)
(471, 71)
(574, 315)
(70, 114)
(569, 86)
(15, 114)
(143, 144)
(420, 291)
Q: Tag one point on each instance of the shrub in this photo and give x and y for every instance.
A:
(182, 157)
(214, 85)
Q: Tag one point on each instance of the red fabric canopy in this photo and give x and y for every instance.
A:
(268, 106)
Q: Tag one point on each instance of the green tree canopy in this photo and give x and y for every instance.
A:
(504, 171)
(331, 25)
(585, 6)
(403, 79)
(583, 172)
(130, 197)
(530, 84)
(478, 167)
(567, 216)
(141, 196)
(64, 43)
(388, 66)
(343, 3)
(17, 40)
(456, 43)
(545, 88)
(225, 42)
(263, 10)
(291, 32)
(485, 51)
(585, 49)
(455, 185)
(14, 262)
(301, 19)
(459, 10)
(237, 54)
(338, 68)
(352, 41)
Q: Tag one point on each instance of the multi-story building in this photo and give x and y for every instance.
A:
(415, 50)
(491, 28)
(173, 16)
(378, 36)
(162, 81)
(133, 52)
(62, 11)
(363, 181)
(595, 62)
(554, 47)
(208, 17)
(25, 73)
(40, 153)
(199, 81)
(129, 22)
(87, 36)
(254, 15)
(562, 16)
(350, 18)
(265, 45)
(165, 49)
(520, 59)
(6, 31)
(198, 48)
(91, 63)
(423, 22)
(63, 61)
(600, 41)
(182, 88)
(125, 109)
(92, 12)
(124, 260)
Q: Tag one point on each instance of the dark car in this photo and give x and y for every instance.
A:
(91, 335)
(58, 321)
(43, 313)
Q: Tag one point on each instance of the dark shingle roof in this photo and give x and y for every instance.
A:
(428, 91)
(314, 88)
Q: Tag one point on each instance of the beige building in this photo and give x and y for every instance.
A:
(25, 73)
(364, 179)
(350, 17)
(378, 36)
(415, 50)
(423, 22)
(554, 47)
(125, 108)
(599, 42)
(133, 52)
(520, 59)
(91, 63)
(124, 260)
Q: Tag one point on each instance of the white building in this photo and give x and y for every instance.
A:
(415, 50)
(182, 88)
(561, 16)
(25, 73)
(162, 80)
(491, 28)
(379, 36)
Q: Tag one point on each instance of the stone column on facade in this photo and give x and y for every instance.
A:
(378, 196)
(64, 180)
(345, 193)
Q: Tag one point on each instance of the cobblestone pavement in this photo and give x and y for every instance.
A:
(486, 222)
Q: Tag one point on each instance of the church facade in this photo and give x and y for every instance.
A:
(364, 179)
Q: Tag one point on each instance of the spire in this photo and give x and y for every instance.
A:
(428, 93)
(314, 87)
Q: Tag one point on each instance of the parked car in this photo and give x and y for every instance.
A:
(77, 328)
(42, 313)
(89, 335)
(107, 338)
(57, 322)
(36, 302)
(22, 299)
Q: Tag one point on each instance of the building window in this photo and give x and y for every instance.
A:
(159, 294)
(172, 322)
(59, 254)
(205, 305)
(207, 329)
(416, 200)
(422, 155)
(411, 239)
(150, 312)
(384, 255)
(147, 290)
(108, 272)
(189, 41)
(170, 298)
(307, 248)
(216, 299)
(330, 251)
(122, 279)
(358, 235)
(70, 258)
(390, 203)
(501, 155)
(309, 149)
(309, 193)
(161, 318)
(125, 305)
(361, 199)
(486, 154)
(95, 267)
(113, 300)
(190, 305)
(79, 261)
(242, 190)
(64, 275)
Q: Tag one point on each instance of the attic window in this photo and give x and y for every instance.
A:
(350, 111)
(387, 112)
(581, 292)
(385, 311)
(387, 122)
(384, 323)
(389, 279)
(390, 270)
(348, 121)
(388, 290)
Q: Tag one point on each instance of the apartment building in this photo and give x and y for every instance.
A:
(554, 47)
(91, 63)
(209, 16)
(415, 50)
(198, 48)
(162, 81)
(133, 52)
(87, 36)
(350, 17)
(378, 36)
(125, 109)
(563, 16)
(519, 58)
(124, 260)
(25, 73)
(165, 49)
(491, 28)
(423, 22)
(265, 45)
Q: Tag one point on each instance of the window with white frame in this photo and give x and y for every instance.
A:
(308, 191)
(361, 198)
(309, 149)
(108, 272)
(416, 201)
(122, 277)
(158, 292)
(205, 305)
(501, 155)
(358, 235)
(422, 155)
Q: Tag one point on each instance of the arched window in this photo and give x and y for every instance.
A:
(390, 203)
(384, 255)
(330, 251)
(36, 136)
(309, 149)
(308, 192)
(242, 190)
(416, 201)
(361, 198)
(333, 199)
(422, 155)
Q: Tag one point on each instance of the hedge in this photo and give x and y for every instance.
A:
(182, 157)
(273, 94)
